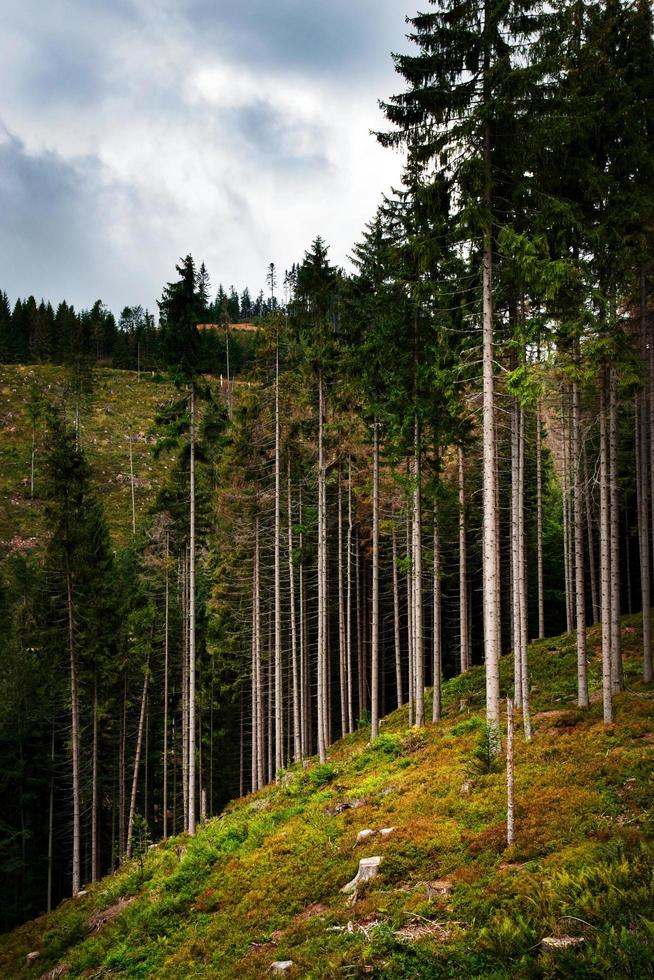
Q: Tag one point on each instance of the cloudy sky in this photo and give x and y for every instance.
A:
(135, 131)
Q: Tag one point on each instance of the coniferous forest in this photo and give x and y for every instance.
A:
(398, 486)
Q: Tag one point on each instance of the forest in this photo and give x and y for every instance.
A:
(368, 481)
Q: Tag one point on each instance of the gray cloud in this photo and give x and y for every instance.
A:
(144, 129)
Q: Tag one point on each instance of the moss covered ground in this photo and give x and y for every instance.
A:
(262, 882)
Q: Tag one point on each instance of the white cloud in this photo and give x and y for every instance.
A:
(238, 159)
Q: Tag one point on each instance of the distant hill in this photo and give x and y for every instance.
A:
(121, 407)
(262, 883)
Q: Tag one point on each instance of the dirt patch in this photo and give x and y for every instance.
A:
(100, 919)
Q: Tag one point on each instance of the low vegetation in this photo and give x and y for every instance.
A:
(262, 882)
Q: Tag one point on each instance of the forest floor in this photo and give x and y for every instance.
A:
(262, 882)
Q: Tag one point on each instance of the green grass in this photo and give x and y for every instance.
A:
(119, 407)
(262, 882)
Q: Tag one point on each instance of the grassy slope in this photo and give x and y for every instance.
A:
(262, 882)
(120, 406)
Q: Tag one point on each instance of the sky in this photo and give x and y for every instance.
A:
(135, 131)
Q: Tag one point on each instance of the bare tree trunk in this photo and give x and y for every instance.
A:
(640, 419)
(396, 622)
(539, 524)
(645, 489)
(417, 580)
(342, 642)
(463, 569)
(94, 788)
(191, 626)
(305, 700)
(32, 460)
(137, 761)
(437, 618)
(279, 694)
(491, 536)
(297, 735)
(374, 655)
(51, 820)
(348, 619)
(410, 632)
(510, 798)
(580, 589)
(605, 559)
(359, 636)
(591, 543)
(122, 829)
(522, 578)
(616, 654)
(259, 693)
(165, 706)
(184, 726)
(322, 581)
(75, 734)
(131, 480)
(567, 556)
(516, 632)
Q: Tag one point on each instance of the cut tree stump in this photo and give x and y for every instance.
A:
(368, 868)
(438, 888)
(281, 966)
(32, 957)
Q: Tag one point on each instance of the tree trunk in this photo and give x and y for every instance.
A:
(297, 735)
(567, 551)
(122, 829)
(75, 734)
(191, 626)
(645, 488)
(539, 524)
(516, 631)
(165, 705)
(463, 570)
(51, 819)
(348, 617)
(374, 654)
(491, 536)
(580, 590)
(131, 480)
(342, 643)
(437, 621)
(396, 621)
(279, 694)
(94, 788)
(510, 799)
(184, 725)
(591, 543)
(640, 419)
(409, 627)
(259, 693)
(417, 582)
(322, 582)
(605, 558)
(137, 761)
(305, 700)
(616, 654)
(522, 579)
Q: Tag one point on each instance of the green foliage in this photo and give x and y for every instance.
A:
(141, 841)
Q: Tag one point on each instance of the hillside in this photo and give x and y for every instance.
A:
(120, 406)
(262, 883)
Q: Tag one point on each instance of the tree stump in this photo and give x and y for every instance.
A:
(368, 868)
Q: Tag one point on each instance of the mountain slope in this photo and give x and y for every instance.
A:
(262, 882)
(119, 407)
